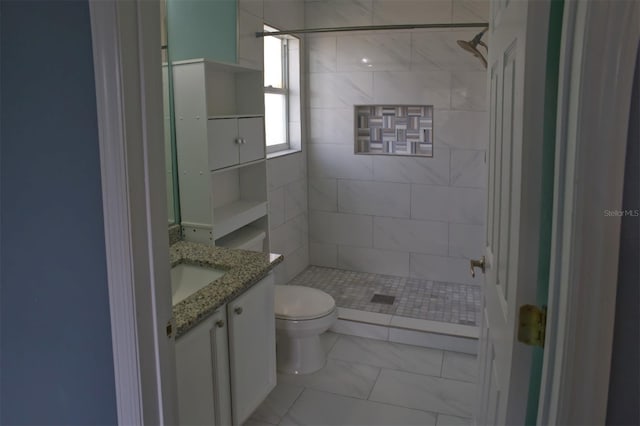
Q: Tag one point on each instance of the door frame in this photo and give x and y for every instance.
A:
(133, 191)
(126, 55)
(593, 109)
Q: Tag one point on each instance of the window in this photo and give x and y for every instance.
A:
(281, 90)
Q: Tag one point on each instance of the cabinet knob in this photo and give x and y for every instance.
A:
(238, 141)
(238, 310)
(220, 323)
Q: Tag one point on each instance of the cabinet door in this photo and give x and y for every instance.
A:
(252, 348)
(251, 131)
(202, 366)
(223, 142)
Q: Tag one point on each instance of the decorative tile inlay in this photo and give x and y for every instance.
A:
(412, 297)
(394, 129)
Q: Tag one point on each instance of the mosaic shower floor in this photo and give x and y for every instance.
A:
(410, 297)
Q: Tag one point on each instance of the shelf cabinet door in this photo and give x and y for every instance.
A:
(223, 143)
(252, 348)
(251, 131)
(202, 367)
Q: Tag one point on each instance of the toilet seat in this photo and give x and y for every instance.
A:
(294, 302)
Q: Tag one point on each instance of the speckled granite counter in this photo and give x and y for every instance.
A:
(244, 269)
(174, 234)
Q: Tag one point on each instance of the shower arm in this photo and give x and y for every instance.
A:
(373, 28)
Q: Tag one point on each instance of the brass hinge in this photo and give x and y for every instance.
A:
(532, 322)
(170, 328)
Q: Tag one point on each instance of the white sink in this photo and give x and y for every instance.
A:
(188, 279)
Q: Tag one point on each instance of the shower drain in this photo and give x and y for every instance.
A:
(383, 298)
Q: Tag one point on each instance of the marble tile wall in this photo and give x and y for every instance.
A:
(418, 217)
(286, 175)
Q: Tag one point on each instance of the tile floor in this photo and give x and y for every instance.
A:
(414, 298)
(372, 382)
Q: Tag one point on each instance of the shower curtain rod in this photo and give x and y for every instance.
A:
(374, 28)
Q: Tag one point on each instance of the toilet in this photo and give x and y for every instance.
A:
(302, 314)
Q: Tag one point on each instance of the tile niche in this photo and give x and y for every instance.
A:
(394, 130)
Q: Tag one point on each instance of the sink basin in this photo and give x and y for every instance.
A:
(188, 279)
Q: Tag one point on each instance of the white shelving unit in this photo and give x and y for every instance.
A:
(221, 154)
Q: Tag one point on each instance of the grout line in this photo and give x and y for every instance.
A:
(374, 383)
(431, 376)
(304, 388)
(335, 342)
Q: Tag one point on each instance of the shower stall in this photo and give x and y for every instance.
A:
(390, 236)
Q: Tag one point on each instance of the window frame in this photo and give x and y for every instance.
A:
(284, 60)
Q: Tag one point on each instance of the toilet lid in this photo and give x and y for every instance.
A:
(296, 302)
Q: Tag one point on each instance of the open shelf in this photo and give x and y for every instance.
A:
(230, 217)
(246, 238)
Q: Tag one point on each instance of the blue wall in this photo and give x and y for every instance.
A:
(56, 364)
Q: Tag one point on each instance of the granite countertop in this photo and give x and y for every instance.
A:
(243, 269)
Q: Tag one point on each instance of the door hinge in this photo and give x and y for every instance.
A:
(532, 322)
(170, 328)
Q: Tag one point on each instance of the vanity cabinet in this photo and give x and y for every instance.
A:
(235, 141)
(226, 365)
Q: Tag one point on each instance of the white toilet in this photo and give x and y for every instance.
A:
(302, 314)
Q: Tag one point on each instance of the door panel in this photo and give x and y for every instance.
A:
(251, 130)
(223, 145)
(252, 348)
(517, 43)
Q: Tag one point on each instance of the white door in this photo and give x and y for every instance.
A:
(252, 348)
(223, 142)
(251, 131)
(517, 55)
(202, 367)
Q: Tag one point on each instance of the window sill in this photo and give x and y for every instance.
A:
(283, 153)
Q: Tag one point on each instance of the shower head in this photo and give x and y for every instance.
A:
(471, 46)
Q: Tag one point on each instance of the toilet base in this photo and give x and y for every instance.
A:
(302, 355)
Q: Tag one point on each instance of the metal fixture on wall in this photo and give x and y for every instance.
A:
(471, 46)
(484, 25)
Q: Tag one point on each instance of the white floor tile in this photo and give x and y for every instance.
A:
(395, 356)
(328, 340)
(444, 420)
(277, 403)
(340, 377)
(254, 422)
(460, 366)
(320, 408)
(424, 392)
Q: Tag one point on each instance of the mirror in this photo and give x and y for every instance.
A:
(171, 164)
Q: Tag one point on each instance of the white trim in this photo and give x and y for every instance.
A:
(596, 74)
(126, 40)
(115, 205)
